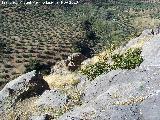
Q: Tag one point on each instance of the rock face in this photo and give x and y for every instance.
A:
(150, 108)
(52, 98)
(124, 94)
(151, 53)
(21, 88)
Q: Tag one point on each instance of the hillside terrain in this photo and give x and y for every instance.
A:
(89, 61)
(48, 33)
(125, 87)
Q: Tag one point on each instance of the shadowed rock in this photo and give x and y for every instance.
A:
(25, 86)
(74, 61)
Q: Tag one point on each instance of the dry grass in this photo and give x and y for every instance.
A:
(104, 55)
(22, 110)
(145, 22)
(60, 81)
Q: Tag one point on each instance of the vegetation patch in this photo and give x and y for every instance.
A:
(60, 81)
(92, 71)
(129, 60)
(51, 33)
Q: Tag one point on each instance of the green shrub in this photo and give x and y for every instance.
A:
(92, 71)
(129, 60)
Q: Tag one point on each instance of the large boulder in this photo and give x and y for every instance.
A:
(25, 86)
(120, 96)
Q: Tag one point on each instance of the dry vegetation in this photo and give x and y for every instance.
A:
(47, 33)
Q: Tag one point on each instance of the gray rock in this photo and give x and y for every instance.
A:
(131, 43)
(83, 82)
(147, 32)
(25, 86)
(150, 108)
(93, 111)
(151, 53)
(42, 117)
(125, 94)
(81, 113)
(99, 85)
(52, 98)
(117, 96)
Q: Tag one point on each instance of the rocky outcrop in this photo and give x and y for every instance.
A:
(124, 94)
(59, 68)
(117, 95)
(72, 63)
(23, 87)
